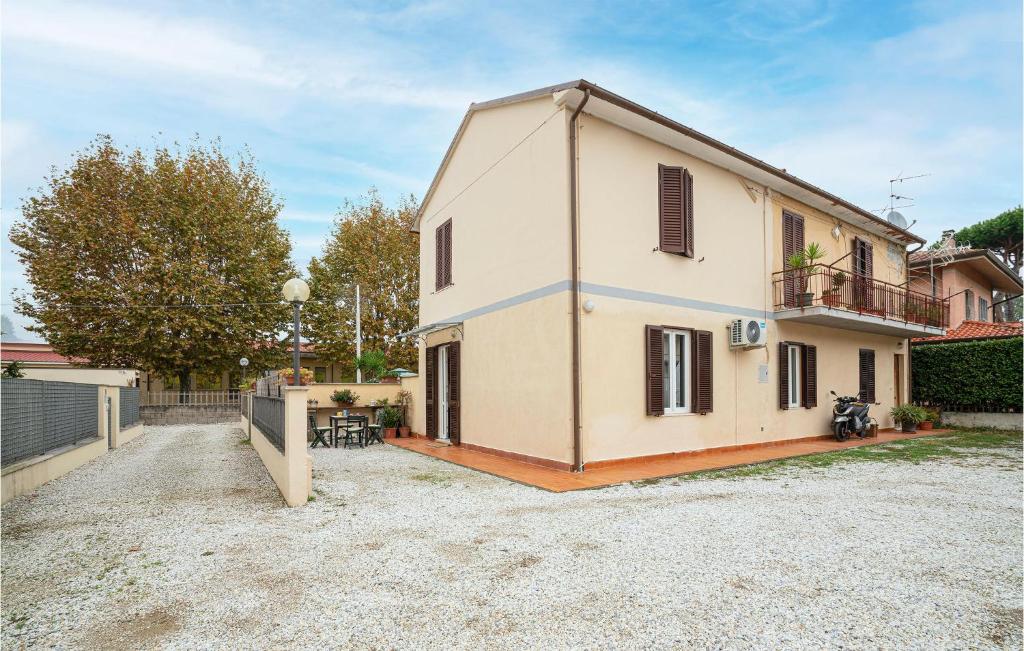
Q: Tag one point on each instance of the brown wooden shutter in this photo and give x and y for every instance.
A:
(867, 375)
(431, 392)
(454, 373)
(671, 223)
(448, 253)
(654, 371)
(792, 242)
(783, 375)
(439, 257)
(688, 214)
(703, 377)
(968, 304)
(810, 376)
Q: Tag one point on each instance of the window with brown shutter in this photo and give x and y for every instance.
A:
(443, 255)
(864, 271)
(783, 375)
(703, 384)
(867, 375)
(968, 304)
(792, 242)
(675, 210)
(810, 376)
(653, 372)
(431, 392)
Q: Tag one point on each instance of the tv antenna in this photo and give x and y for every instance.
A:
(892, 216)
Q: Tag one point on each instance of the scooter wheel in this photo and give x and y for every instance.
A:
(841, 432)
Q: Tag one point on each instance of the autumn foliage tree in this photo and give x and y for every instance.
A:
(170, 262)
(370, 246)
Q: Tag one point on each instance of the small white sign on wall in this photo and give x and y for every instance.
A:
(762, 374)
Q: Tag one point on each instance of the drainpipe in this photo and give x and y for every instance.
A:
(577, 427)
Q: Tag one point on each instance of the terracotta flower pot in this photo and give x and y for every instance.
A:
(404, 431)
(390, 432)
(925, 424)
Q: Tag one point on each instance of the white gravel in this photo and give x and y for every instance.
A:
(180, 540)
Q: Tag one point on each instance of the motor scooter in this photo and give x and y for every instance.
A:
(850, 416)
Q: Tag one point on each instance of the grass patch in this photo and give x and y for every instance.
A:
(958, 444)
(431, 477)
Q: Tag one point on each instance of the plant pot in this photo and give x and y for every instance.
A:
(345, 405)
(390, 432)
(389, 380)
(908, 427)
(805, 299)
(404, 431)
(925, 424)
(831, 300)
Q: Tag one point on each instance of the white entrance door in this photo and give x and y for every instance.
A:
(442, 393)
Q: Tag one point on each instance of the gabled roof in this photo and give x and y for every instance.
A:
(983, 261)
(973, 330)
(606, 102)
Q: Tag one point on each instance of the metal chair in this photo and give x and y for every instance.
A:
(355, 427)
(318, 432)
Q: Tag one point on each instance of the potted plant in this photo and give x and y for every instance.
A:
(403, 401)
(391, 377)
(390, 419)
(305, 376)
(834, 296)
(803, 264)
(930, 417)
(908, 416)
(345, 397)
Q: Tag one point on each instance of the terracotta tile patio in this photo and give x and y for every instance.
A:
(560, 481)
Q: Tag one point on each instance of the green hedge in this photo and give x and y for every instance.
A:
(969, 376)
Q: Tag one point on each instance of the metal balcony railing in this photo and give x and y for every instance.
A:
(826, 285)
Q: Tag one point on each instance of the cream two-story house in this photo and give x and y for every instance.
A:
(599, 282)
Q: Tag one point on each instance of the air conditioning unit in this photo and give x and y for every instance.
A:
(748, 333)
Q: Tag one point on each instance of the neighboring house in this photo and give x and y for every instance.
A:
(975, 331)
(968, 277)
(323, 371)
(40, 362)
(580, 274)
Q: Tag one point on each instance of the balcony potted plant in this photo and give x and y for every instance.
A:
(403, 401)
(345, 397)
(803, 265)
(907, 416)
(390, 419)
(834, 296)
(305, 376)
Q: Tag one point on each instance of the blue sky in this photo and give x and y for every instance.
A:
(333, 98)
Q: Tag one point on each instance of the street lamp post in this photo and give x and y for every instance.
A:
(295, 291)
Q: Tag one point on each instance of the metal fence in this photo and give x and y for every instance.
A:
(170, 398)
(129, 397)
(40, 416)
(268, 416)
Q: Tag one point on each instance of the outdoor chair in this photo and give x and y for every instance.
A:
(373, 431)
(355, 429)
(318, 432)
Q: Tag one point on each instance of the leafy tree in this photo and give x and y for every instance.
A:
(170, 262)
(1001, 234)
(370, 246)
(373, 364)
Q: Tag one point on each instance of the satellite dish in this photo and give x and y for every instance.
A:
(897, 220)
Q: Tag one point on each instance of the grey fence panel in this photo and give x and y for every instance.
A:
(244, 401)
(268, 416)
(129, 397)
(40, 416)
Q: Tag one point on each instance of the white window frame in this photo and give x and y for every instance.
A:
(795, 361)
(672, 380)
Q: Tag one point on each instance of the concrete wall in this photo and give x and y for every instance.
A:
(187, 414)
(293, 470)
(982, 419)
(109, 376)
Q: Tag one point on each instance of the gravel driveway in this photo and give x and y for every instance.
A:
(180, 540)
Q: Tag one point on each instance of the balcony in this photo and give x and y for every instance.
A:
(829, 296)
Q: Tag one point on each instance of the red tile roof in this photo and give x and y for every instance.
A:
(26, 352)
(979, 330)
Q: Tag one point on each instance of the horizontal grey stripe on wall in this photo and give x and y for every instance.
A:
(612, 292)
(675, 301)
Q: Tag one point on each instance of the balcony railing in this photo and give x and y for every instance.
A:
(828, 286)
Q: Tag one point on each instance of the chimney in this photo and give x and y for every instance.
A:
(948, 235)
